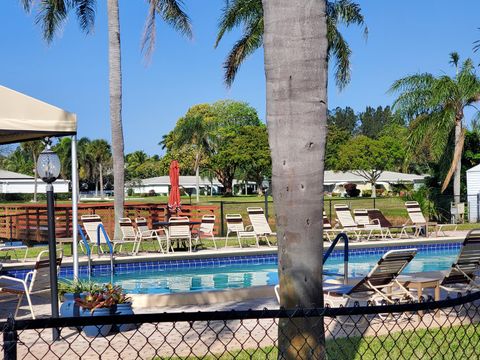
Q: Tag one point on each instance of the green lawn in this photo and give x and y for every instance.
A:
(457, 342)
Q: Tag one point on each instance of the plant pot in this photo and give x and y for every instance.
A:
(96, 330)
(123, 309)
(69, 308)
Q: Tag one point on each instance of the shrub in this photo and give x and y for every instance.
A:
(351, 190)
(152, 193)
(130, 192)
(366, 193)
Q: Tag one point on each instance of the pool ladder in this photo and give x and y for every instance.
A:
(344, 237)
(100, 229)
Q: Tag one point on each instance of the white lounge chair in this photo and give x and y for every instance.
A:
(36, 282)
(235, 225)
(145, 233)
(206, 228)
(328, 230)
(260, 225)
(13, 248)
(363, 220)
(418, 220)
(90, 224)
(372, 287)
(348, 224)
(179, 229)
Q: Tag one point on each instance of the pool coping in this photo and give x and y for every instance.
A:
(234, 252)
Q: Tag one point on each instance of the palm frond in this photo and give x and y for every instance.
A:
(85, 11)
(27, 5)
(341, 52)
(348, 13)
(172, 13)
(52, 14)
(238, 12)
(251, 41)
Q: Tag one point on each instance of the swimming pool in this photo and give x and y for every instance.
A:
(253, 271)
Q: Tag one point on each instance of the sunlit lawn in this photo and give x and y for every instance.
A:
(456, 342)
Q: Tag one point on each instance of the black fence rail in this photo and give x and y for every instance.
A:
(447, 329)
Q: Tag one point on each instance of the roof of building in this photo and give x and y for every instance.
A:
(333, 177)
(476, 168)
(10, 175)
(184, 181)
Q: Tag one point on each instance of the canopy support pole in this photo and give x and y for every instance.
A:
(75, 207)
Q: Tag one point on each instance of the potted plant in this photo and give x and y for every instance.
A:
(69, 290)
(104, 302)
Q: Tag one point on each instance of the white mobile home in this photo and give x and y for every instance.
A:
(15, 183)
(473, 193)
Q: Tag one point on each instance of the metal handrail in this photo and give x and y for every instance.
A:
(343, 236)
(110, 247)
(88, 250)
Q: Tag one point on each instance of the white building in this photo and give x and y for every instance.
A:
(334, 181)
(15, 183)
(473, 193)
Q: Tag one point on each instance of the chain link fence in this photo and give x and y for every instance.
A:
(446, 329)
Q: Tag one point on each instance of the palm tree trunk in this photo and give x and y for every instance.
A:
(458, 169)
(197, 176)
(295, 44)
(100, 170)
(115, 83)
(35, 181)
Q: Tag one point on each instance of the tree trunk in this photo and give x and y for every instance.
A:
(197, 176)
(35, 181)
(115, 84)
(374, 190)
(458, 169)
(295, 45)
(100, 170)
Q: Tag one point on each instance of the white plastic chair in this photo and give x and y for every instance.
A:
(206, 229)
(179, 229)
(145, 233)
(35, 282)
(259, 222)
(235, 225)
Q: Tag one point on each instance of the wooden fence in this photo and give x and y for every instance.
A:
(28, 222)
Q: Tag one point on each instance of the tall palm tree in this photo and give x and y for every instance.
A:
(34, 148)
(435, 106)
(249, 14)
(53, 13)
(194, 131)
(100, 152)
(296, 50)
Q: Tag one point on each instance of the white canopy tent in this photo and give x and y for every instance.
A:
(23, 118)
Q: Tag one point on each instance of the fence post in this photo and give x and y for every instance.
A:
(222, 230)
(10, 338)
(374, 202)
(266, 204)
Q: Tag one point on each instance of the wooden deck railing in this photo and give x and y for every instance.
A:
(28, 222)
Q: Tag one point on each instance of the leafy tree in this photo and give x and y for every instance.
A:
(205, 131)
(336, 137)
(34, 148)
(249, 14)
(296, 78)
(373, 121)
(435, 108)
(19, 161)
(368, 157)
(133, 161)
(100, 152)
(52, 14)
(342, 119)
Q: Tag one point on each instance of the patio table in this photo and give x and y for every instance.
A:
(166, 225)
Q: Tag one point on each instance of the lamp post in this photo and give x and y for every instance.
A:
(48, 169)
(265, 187)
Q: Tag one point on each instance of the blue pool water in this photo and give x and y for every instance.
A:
(228, 276)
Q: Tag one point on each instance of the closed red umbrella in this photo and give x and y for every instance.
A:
(174, 197)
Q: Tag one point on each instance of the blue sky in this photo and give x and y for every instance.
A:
(404, 37)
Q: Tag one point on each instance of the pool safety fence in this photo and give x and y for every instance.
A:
(425, 329)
